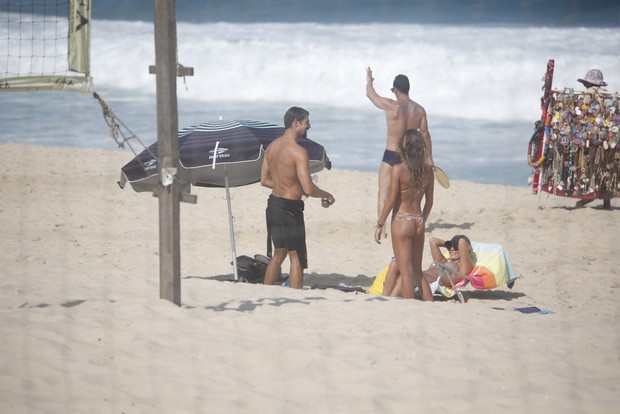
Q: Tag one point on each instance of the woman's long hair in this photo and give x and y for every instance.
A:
(414, 155)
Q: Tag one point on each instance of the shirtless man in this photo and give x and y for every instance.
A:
(285, 171)
(400, 114)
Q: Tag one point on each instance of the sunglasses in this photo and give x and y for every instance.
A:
(455, 248)
(393, 90)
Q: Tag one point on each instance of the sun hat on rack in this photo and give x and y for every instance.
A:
(593, 77)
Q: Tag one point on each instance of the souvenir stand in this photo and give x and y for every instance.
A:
(575, 149)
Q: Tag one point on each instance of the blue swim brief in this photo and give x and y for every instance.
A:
(391, 158)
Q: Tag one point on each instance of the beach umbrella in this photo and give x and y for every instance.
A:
(223, 153)
(215, 151)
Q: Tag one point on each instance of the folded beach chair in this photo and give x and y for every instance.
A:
(492, 269)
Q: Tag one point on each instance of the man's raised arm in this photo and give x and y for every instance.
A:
(379, 101)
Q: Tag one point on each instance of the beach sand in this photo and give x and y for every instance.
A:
(84, 330)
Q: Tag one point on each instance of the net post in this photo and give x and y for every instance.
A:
(168, 149)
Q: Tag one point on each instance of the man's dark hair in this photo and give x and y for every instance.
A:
(294, 113)
(401, 82)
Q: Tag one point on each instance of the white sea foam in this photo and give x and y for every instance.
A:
(485, 73)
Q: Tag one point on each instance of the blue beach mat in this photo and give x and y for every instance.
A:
(529, 309)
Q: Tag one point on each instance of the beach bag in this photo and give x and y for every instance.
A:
(252, 269)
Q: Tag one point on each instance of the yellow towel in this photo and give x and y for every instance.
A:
(377, 285)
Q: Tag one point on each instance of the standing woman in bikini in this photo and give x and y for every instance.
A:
(411, 181)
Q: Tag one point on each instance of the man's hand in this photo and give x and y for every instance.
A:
(369, 77)
(330, 199)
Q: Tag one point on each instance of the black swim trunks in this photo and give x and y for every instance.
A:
(285, 224)
(391, 158)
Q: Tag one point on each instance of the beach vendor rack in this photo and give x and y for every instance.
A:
(575, 148)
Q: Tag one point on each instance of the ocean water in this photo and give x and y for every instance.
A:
(475, 66)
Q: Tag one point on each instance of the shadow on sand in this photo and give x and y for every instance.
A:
(348, 284)
(313, 280)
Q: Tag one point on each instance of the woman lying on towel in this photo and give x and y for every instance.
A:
(460, 258)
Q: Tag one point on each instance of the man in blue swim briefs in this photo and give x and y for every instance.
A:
(401, 114)
(285, 171)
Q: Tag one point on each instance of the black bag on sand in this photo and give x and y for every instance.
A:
(252, 269)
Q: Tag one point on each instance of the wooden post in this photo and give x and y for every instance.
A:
(168, 150)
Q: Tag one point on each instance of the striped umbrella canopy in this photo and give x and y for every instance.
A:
(214, 152)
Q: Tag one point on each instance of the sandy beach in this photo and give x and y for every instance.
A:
(83, 328)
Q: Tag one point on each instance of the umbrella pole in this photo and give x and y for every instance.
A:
(232, 230)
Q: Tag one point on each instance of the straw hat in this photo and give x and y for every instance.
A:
(594, 77)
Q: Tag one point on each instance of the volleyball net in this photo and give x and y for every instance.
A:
(45, 45)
